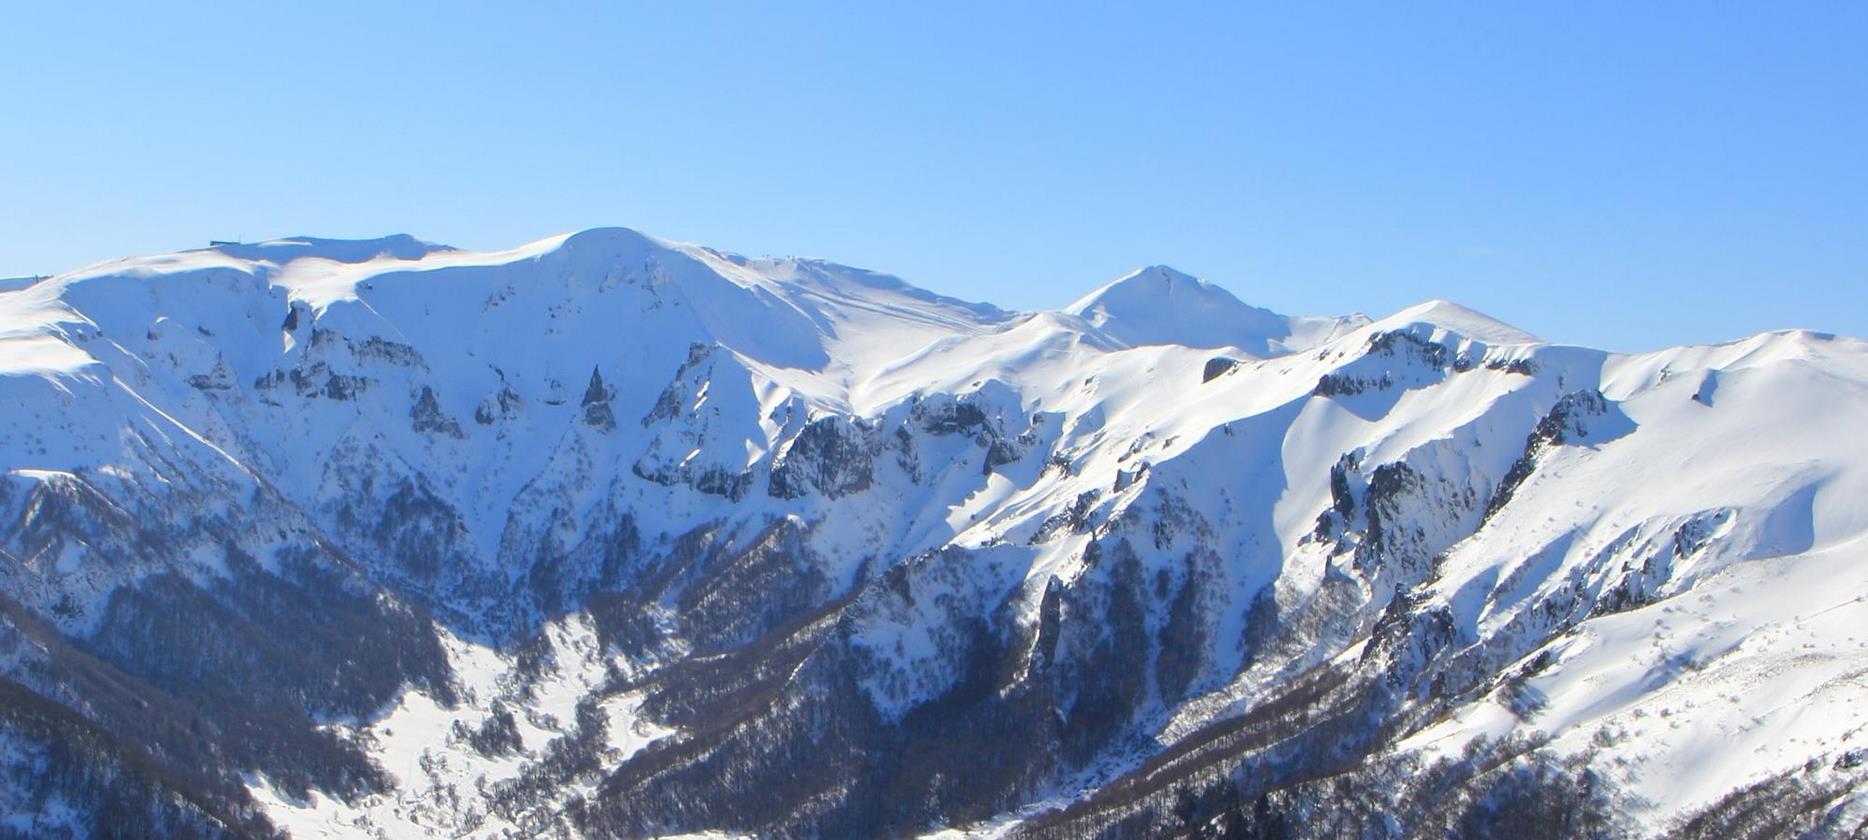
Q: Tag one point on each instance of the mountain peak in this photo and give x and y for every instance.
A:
(261, 465)
(1161, 305)
(1161, 273)
(1148, 280)
(1447, 315)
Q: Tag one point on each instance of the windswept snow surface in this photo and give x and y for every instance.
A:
(1656, 560)
(1158, 305)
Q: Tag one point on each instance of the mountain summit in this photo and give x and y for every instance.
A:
(1158, 305)
(607, 535)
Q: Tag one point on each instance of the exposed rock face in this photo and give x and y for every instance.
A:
(597, 413)
(876, 562)
(1217, 367)
(427, 417)
(697, 420)
(831, 455)
(1568, 422)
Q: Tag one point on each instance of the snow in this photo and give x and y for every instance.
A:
(223, 359)
(413, 740)
(1748, 665)
(41, 355)
(1159, 305)
(1743, 676)
(1447, 317)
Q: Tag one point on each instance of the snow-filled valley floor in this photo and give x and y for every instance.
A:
(607, 535)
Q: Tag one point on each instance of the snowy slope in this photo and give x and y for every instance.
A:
(1158, 305)
(629, 525)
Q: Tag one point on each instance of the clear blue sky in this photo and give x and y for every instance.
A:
(1621, 174)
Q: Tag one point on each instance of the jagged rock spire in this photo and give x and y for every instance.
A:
(428, 417)
(597, 414)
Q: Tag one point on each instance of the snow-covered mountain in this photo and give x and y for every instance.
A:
(607, 535)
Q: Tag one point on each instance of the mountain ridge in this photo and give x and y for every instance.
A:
(610, 535)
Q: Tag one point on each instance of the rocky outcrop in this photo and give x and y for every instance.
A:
(980, 571)
(1567, 422)
(833, 455)
(428, 418)
(596, 404)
